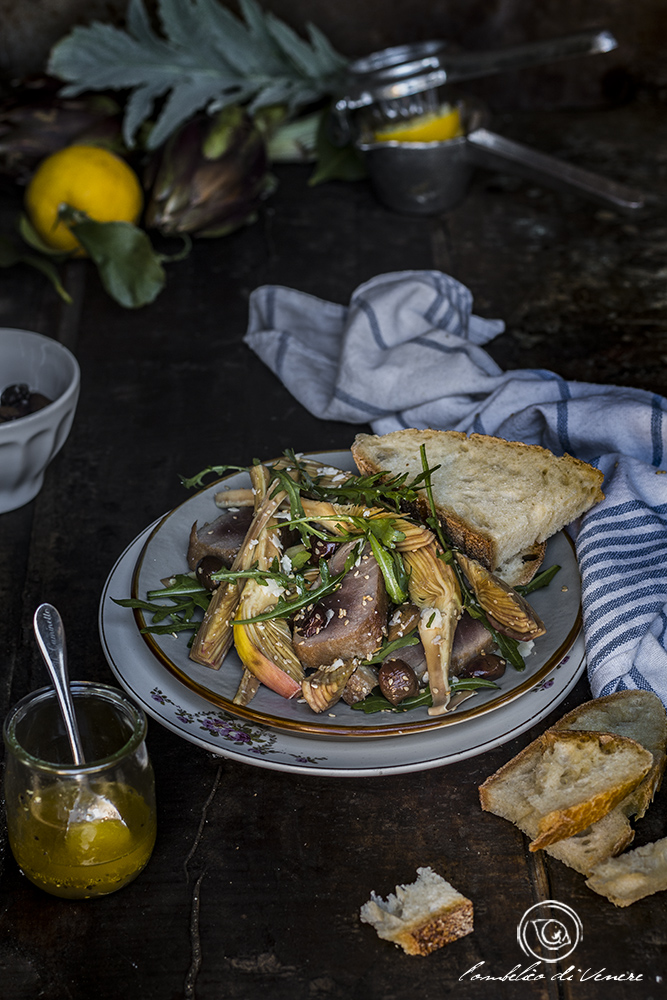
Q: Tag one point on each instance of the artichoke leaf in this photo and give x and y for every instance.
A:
(214, 636)
(247, 689)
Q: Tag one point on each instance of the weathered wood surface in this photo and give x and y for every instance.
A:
(257, 878)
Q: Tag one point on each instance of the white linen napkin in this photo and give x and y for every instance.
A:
(406, 352)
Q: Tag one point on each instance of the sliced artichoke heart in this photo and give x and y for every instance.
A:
(273, 640)
(503, 605)
(416, 535)
(325, 687)
(436, 632)
(214, 636)
(435, 590)
(433, 582)
(360, 684)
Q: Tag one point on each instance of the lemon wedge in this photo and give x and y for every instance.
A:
(430, 127)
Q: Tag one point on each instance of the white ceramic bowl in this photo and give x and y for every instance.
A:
(28, 444)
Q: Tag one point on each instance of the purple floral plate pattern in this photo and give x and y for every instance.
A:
(226, 728)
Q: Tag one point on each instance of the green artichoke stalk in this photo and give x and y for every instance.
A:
(210, 177)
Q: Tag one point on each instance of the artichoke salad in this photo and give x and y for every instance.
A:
(329, 588)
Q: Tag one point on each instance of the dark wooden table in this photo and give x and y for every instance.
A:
(257, 877)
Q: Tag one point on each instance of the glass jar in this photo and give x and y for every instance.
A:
(87, 830)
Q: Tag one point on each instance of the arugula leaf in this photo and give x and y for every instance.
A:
(216, 470)
(388, 650)
(395, 579)
(542, 579)
(285, 608)
(375, 702)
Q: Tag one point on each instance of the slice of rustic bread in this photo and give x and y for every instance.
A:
(597, 842)
(632, 876)
(422, 916)
(498, 500)
(641, 716)
(565, 781)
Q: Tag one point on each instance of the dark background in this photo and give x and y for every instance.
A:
(355, 28)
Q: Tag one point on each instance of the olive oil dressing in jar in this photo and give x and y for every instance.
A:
(79, 831)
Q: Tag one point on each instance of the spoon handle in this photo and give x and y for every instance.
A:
(50, 635)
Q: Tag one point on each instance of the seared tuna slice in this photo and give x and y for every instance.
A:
(221, 538)
(471, 639)
(349, 623)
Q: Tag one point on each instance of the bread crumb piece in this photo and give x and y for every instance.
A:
(420, 917)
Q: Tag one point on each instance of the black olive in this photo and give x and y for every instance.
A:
(397, 681)
(15, 395)
(206, 566)
(322, 549)
(311, 622)
(487, 665)
(18, 401)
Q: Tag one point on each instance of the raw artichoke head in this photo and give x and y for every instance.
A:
(210, 177)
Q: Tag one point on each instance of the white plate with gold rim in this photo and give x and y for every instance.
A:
(193, 717)
(197, 702)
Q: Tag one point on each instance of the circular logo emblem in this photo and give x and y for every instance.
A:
(549, 931)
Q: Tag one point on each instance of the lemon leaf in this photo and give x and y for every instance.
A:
(33, 239)
(10, 255)
(335, 163)
(129, 267)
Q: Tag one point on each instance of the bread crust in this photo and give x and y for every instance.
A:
(422, 916)
(450, 924)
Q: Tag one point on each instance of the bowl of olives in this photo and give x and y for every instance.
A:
(39, 390)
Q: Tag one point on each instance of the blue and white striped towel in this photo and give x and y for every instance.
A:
(406, 353)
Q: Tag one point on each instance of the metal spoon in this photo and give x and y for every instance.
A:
(89, 806)
(50, 634)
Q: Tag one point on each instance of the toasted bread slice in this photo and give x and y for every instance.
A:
(422, 916)
(565, 781)
(632, 876)
(498, 500)
(639, 715)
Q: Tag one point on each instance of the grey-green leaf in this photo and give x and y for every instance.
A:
(205, 58)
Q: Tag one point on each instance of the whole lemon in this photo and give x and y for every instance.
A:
(87, 178)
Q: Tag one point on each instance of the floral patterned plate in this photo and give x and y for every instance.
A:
(164, 553)
(192, 716)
